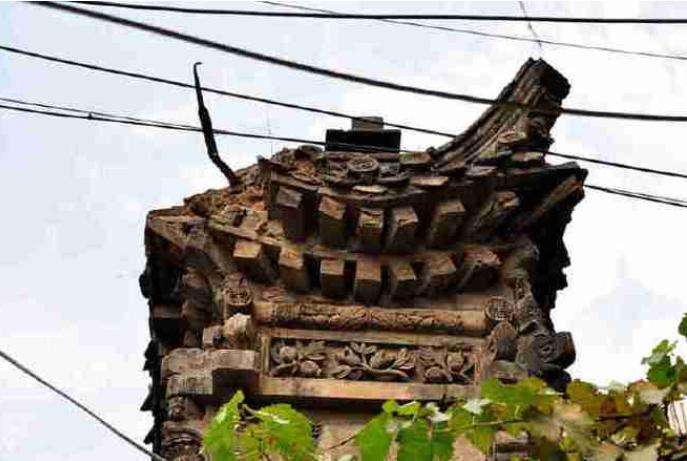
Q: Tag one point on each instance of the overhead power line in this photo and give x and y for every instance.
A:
(232, 94)
(288, 105)
(338, 74)
(101, 117)
(26, 370)
(624, 166)
(443, 17)
(517, 38)
(126, 120)
(91, 114)
(640, 196)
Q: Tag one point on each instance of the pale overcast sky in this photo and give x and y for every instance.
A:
(75, 194)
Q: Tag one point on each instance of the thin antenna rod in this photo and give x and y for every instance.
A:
(208, 134)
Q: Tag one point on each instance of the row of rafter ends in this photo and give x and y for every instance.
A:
(416, 219)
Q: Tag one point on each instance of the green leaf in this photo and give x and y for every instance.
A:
(409, 409)
(576, 423)
(661, 370)
(587, 396)
(390, 406)
(661, 373)
(374, 440)
(478, 428)
(461, 419)
(288, 432)
(413, 442)
(520, 394)
(482, 437)
(662, 350)
(442, 442)
(250, 444)
(475, 406)
(220, 438)
(682, 328)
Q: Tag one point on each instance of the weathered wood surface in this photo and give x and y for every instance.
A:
(358, 317)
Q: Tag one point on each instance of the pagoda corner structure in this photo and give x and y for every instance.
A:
(335, 279)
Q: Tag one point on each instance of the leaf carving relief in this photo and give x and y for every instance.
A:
(357, 361)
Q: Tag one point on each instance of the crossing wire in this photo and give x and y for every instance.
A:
(88, 115)
(443, 17)
(26, 370)
(639, 195)
(91, 113)
(243, 52)
(126, 120)
(517, 38)
(177, 83)
(530, 26)
(180, 84)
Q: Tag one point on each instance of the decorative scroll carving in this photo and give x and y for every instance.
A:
(546, 355)
(358, 360)
(334, 317)
(499, 309)
(444, 366)
(304, 360)
(371, 362)
(364, 168)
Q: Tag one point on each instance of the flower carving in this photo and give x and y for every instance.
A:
(303, 360)
(358, 360)
(444, 366)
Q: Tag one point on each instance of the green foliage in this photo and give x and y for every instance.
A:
(374, 440)
(661, 369)
(414, 443)
(682, 328)
(615, 423)
(286, 432)
(220, 439)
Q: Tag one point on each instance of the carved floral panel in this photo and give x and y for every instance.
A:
(359, 361)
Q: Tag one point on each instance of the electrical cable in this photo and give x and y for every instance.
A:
(232, 94)
(517, 38)
(70, 8)
(640, 196)
(443, 17)
(530, 27)
(156, 124)
(81, 406)
(91, 113)
(125, 120)
(625, 166)
(608, 163)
